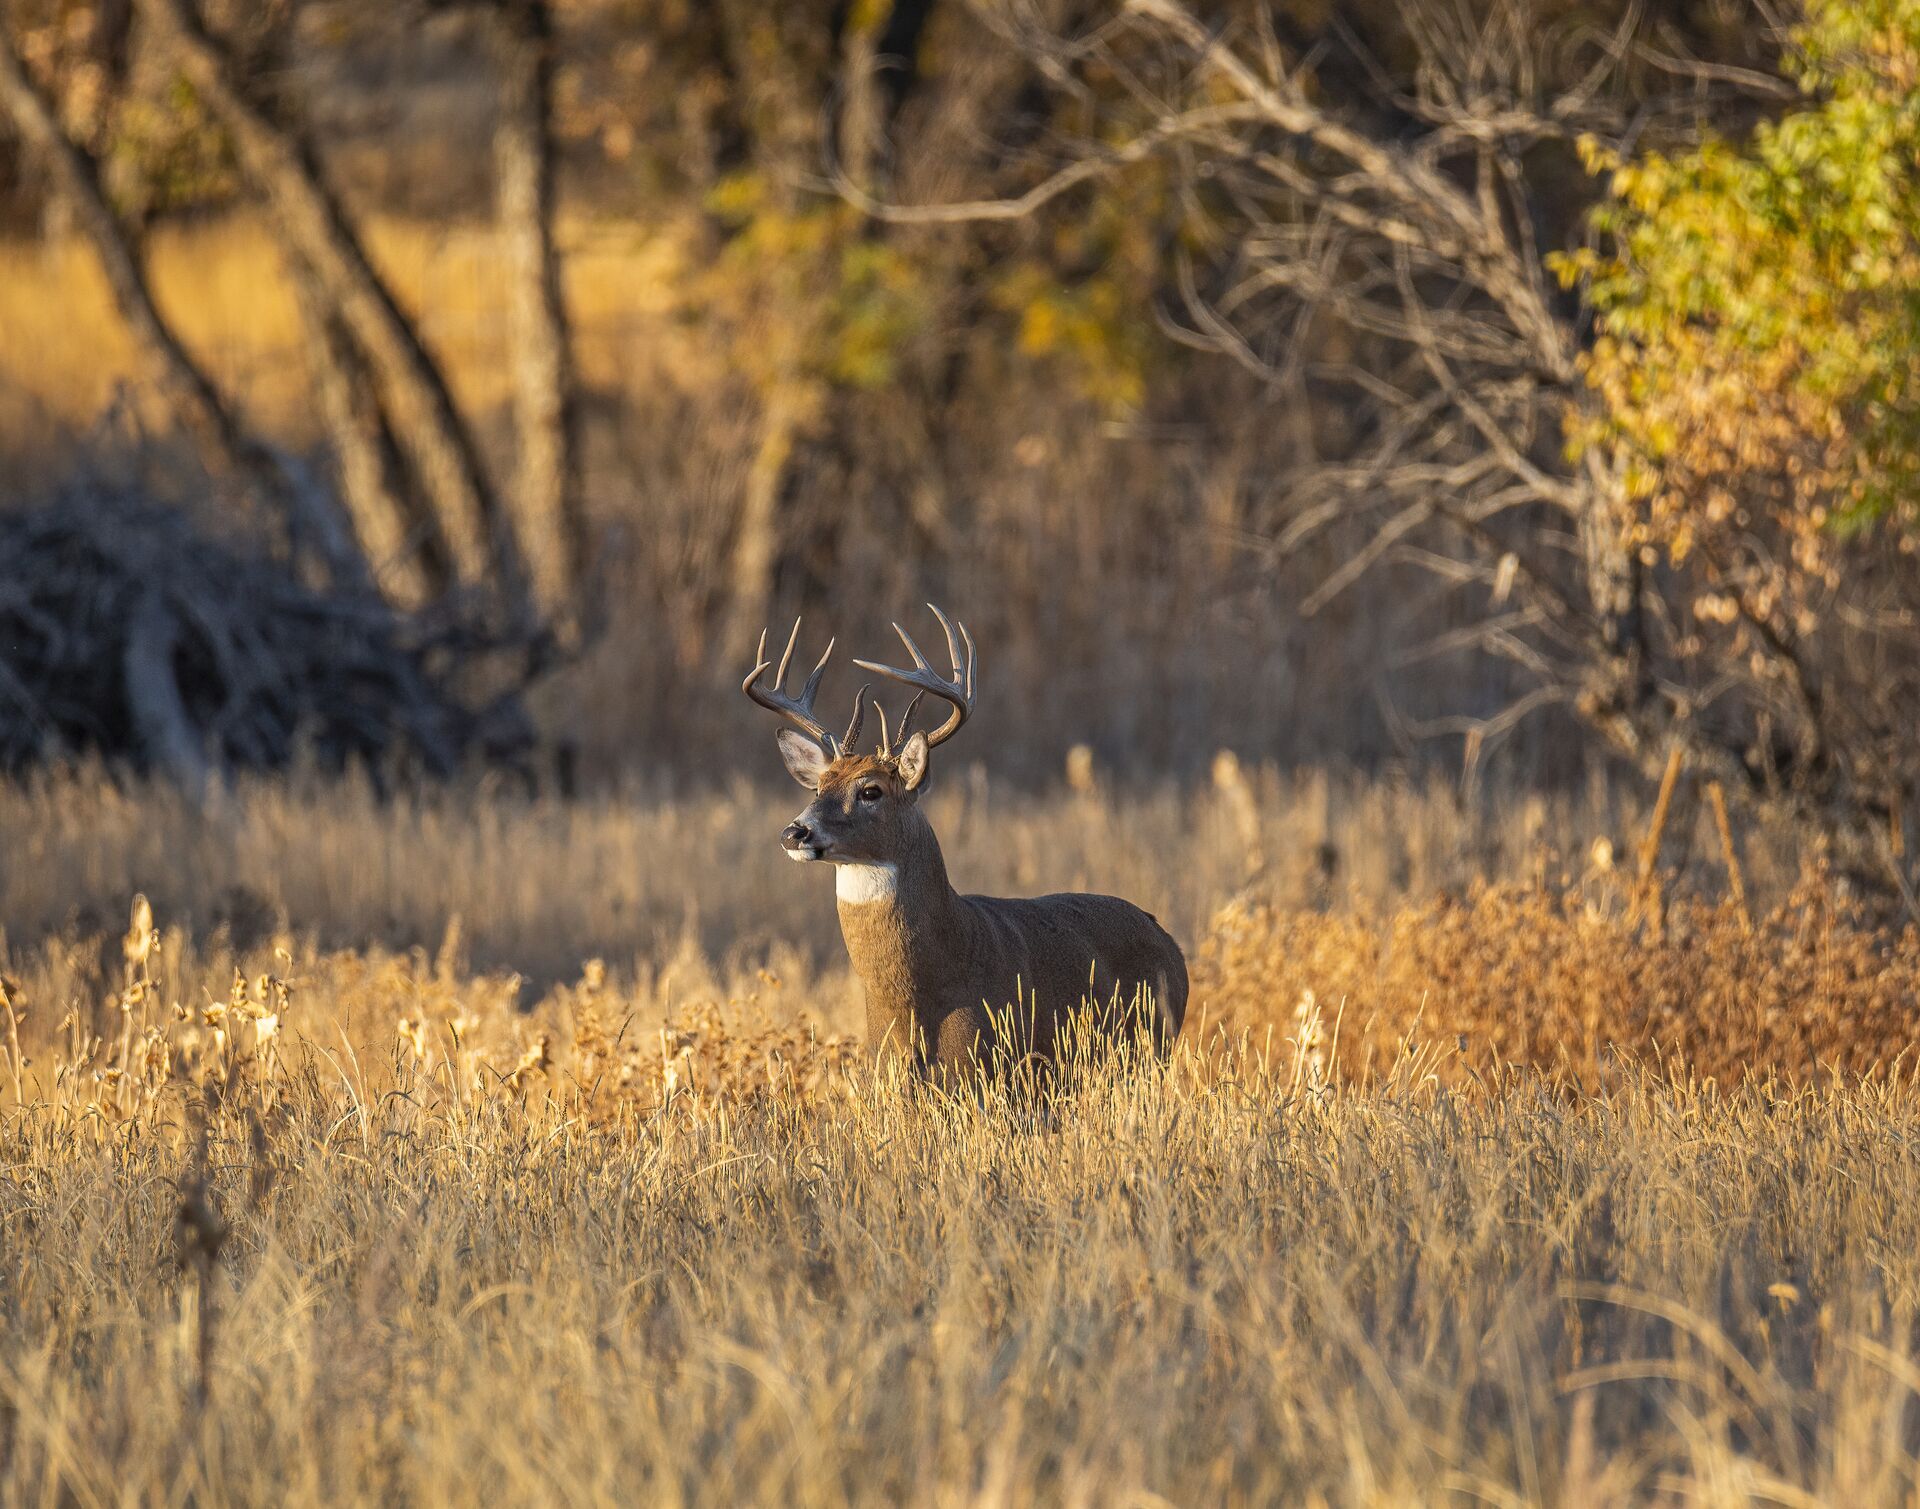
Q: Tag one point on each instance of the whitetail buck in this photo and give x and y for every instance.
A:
(948, 977)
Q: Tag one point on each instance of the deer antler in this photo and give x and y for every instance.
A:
(852, 735)
(799, 710)
(924, 678)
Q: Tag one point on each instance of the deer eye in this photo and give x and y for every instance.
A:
(871, 793)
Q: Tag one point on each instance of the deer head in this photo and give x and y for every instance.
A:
(863, 803)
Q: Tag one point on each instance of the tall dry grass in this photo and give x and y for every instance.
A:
(1331, 919)
(284, 1271)
(537, 883)
(308, 1195)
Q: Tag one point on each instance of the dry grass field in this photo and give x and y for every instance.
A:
(476, 1146)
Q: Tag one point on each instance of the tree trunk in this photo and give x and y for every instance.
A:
(314, 227)
(760, 540)
(397, 536)
(547, 514)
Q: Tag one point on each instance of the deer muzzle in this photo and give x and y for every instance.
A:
(800, 841)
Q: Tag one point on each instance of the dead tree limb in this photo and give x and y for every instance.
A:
(162, 726)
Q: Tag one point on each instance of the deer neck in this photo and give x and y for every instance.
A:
(900, 921)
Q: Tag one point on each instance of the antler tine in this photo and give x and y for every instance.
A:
(852, 735)
(907, 717)
(892, 739)
(796, 710)
(924, 678)
(953, 650)
(813, 677)
(962, 667)
(912, 648)
(786, 655)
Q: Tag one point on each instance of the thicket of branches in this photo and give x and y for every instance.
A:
(124, 629)
(1646, 528)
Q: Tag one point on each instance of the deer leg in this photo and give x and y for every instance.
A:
(962, 1039)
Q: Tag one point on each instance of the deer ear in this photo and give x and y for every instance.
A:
(805, 759)
(912, 761)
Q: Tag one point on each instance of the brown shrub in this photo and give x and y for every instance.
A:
(1512, 975)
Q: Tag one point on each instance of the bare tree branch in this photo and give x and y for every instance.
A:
(1085, 170)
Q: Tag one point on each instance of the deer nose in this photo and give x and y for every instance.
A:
(797, 835)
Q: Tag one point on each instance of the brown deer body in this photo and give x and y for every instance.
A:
(956, 980)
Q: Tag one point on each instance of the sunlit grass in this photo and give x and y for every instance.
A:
(308, 1195)
(1172, 1286)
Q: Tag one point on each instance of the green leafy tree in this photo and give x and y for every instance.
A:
(1754, 363)
(1758, 322)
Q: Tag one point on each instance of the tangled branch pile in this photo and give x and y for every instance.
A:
(126, 632)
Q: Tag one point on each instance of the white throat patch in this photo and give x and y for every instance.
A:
(859, 884)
